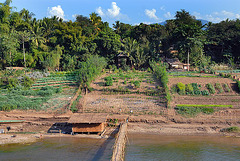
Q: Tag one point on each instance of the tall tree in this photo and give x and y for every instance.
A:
(24, 36)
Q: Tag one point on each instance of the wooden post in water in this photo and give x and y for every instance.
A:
(119, 146)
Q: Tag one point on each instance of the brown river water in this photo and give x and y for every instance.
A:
(139, 148)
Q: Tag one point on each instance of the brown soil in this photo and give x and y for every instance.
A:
(99, 101)
(147, 114)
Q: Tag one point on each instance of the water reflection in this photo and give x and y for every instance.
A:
(71, 149)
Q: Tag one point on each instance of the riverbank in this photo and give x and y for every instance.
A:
(18, 138)
(179, 129)
(161, 129)
(171, 124)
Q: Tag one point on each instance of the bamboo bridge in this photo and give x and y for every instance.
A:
(119, 146)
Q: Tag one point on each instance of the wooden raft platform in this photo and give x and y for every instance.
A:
(119, 147)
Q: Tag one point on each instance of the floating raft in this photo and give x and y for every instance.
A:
(11, 121)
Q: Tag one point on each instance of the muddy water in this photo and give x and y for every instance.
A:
(56, 149)
(139, 148)
(182, 148)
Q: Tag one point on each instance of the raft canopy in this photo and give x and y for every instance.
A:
(90, 123)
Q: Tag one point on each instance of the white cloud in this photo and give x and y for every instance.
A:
(115, 10)
(221, 16)
(56, 11)
(100, 11)
(197, 15)
(168, 15)
(151, 14)
(112, 13)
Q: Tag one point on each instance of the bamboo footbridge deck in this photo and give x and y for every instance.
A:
(119, 146)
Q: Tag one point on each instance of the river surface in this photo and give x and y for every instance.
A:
(59, 149)
(182, 148)
(139, 148)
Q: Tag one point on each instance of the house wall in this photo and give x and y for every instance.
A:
(99, 127)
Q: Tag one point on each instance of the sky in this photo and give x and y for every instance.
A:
(131, 11)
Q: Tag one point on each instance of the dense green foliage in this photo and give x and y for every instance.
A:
(52, 43)
(90, 69)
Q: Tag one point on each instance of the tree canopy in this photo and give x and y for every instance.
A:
(52, 43)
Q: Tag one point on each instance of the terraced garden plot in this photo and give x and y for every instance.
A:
(124, 97)
(220, 97)
(56, 80)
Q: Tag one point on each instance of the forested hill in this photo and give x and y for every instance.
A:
(51, 43)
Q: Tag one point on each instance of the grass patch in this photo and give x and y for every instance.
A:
(231, 129)
(193, 111)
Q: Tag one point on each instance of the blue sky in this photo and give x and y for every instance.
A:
(132, 11)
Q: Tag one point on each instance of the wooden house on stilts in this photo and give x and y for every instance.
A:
(88, 123)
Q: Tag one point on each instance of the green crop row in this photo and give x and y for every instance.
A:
(47, 79)
(191, 112)
(161, 74)
(44, 84)
(19, 99)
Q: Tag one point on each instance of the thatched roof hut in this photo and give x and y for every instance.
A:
(87, 122)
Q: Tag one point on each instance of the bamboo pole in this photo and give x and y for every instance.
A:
(119, 147)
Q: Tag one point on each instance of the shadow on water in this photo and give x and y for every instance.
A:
(106, 147)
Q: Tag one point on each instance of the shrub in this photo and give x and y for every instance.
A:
(149, 70)
(196, 89)
(136, 84)
(174, 88)
(218, 86)
(27, 82)
(12, 83)
(188, 111)
(205, 93)
(226, 87)
(108, 81)
(189, 88)
(193, 111)
(231, 129)
(181, 88)
(210, 88)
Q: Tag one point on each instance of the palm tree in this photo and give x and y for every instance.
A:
(37, 33)
(130, 47)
